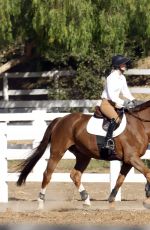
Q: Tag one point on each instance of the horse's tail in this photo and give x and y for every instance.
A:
(30, 162)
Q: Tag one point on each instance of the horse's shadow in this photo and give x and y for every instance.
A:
(106, 200)
(79, 200)
(20, 199)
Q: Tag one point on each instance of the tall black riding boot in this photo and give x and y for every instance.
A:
(109, 142)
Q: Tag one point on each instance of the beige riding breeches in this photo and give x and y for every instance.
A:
(108, 109)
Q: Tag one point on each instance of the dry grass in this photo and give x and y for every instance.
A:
(143, 63)
(95, 166)
(143, 97)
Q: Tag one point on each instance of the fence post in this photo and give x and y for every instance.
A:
(85, 110)
(3, 163)
(39, 127)
(5, 87)
(114, 173)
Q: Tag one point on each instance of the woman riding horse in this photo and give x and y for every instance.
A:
(115, 85)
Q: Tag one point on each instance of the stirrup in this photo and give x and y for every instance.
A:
(110, 144)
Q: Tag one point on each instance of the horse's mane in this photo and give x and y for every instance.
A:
(140, 107)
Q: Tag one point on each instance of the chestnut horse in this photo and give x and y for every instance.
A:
(69, 133)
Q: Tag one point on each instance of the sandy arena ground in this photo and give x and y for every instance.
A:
(63, 205)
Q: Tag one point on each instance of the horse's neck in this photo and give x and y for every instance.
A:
(145, 116)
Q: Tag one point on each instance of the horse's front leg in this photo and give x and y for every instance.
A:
(141, 167)
(125, 168)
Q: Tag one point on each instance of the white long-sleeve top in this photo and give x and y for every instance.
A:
(115, 86)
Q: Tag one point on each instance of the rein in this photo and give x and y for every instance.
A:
(141, 119)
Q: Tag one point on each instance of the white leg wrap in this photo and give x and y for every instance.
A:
(81, 188)
(41, 199)
(43, 190)
(87, 201)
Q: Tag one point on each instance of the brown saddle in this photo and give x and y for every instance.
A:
(98, 113)
(106, 120)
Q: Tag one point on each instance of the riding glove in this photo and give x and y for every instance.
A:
(137, 102)
(128, 104)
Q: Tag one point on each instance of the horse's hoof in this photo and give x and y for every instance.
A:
(40, 207)
(111, 199)
(146, 203)
(87, 202)
(111, 205)
(41, 204)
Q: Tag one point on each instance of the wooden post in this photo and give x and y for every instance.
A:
(39, 127)
(5, 87)
(3, 163)
(114, 173)
(56, 85)
(85, 110)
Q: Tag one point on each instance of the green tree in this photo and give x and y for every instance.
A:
(79, 34)
(9, 12)
(64, 24)
(139, 27)
(74, 27)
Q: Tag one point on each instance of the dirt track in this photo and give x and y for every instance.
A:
(63, 205)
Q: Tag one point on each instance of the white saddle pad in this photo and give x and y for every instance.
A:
(94, 126)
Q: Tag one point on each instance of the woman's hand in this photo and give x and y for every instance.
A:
(137, 102)
(128, 104)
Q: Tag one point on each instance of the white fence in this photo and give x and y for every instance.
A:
(33, 133)
(17, 105)
(6, 92)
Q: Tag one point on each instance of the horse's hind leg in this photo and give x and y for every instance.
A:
(76, 174)
(51, 165)
(123, 172)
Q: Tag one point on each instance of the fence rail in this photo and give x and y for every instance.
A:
(6, 92)
(34, 92)
(33, 133)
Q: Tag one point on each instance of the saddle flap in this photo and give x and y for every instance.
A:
(95, 126)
